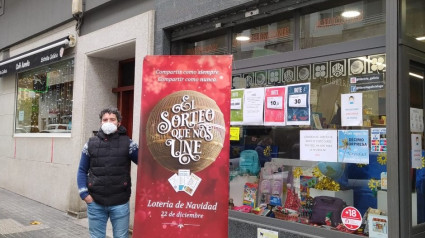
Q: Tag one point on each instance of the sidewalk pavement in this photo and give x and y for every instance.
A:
(21, 217)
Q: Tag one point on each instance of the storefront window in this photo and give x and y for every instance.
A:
(416, 78)
(415, 20)
(263, 40)
(359, 20)
(44, 99)
(308, 140)
(212, 46)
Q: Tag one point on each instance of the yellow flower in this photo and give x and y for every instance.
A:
(267, 151)
(361, 165)
(298, 172)
(317, 173)
(382, 158)
(374, 184)
(423, 162)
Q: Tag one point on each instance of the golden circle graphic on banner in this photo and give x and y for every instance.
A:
(185, 130)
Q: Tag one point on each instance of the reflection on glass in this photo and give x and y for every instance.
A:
(416, 73)
(44, 100)
(211, 46)
(415, 20)
(263, 40)
(353, 21)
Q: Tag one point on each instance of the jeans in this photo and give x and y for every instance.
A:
(98, 217)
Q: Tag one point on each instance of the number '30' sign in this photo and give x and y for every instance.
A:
(298, 100)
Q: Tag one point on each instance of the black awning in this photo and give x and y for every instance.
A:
(39, 56)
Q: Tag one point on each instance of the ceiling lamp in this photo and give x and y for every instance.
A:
(244, 36)
(420, 38)
(350, 14)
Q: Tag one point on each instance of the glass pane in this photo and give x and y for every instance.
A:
(332, 142)
(44, 100)
(211, 46)
(362, 19)
(416, 78)
(415, 20)
(263, 40)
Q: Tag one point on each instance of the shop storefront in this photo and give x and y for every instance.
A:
(328, 99)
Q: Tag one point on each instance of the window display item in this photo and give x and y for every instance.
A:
(322, 205)
(250, 194)
(249, 163)
(292, 200)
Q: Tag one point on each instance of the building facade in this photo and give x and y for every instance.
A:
(59, 69)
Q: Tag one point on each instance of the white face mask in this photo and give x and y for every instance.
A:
(109, 128)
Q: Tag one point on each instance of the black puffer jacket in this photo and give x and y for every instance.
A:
(109, 180)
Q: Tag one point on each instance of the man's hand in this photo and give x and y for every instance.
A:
(88, 199)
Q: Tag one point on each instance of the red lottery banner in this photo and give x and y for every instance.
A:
(274, 110)
(351, 218)
(183, 172)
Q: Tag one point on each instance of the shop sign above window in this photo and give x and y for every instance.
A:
(45, 54)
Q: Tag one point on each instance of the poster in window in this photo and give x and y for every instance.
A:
(274, 110)
(378, 139)
(298, 104)
(416, 120)
(236, 107)
(253, 106)
(318, 145)
(378, 226)
(353, 146)
(183, 172)
(352, 109)
(416, 142)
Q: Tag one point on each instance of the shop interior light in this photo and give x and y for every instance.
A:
(416, 75)
(420, 38)
(350, 14)
(244, 36)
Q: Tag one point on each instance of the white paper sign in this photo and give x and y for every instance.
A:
(274, 102)
(416, 120)
(236, 104)
(253, 106)
(352, 109)
(21, 115)
(297, 100)
(416, 150)
(318, 145)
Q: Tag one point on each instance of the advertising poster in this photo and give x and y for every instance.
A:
(274, 110)
(253, 106)
(298, 104)
(352, 109)
(353, 146)
(416, 120)
(378, 139)
(416, 150)
(183, 172)
(236, 107)
(318, 145)
(378, 226)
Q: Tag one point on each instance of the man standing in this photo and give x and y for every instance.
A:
(103, 176)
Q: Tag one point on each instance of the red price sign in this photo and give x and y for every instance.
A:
(351, 218)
